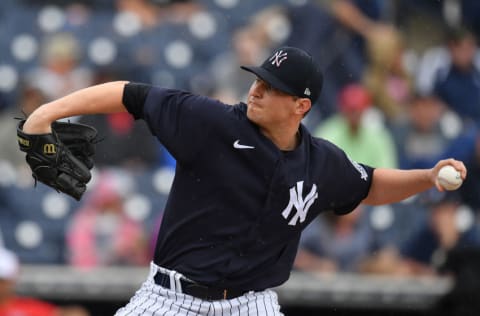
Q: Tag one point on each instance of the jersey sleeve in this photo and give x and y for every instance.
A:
(180, 120)
(134, 96)
(350, 181)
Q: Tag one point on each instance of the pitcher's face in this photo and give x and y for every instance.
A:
(267, 105)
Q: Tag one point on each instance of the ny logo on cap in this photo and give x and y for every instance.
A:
(278, 58)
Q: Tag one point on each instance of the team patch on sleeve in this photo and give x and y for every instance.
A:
(360, 169)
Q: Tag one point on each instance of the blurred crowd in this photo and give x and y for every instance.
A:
(12, 304)
(401, 89)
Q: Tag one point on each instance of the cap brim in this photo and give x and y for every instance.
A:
(269, 78)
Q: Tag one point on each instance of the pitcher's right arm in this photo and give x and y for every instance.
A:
(98, 99)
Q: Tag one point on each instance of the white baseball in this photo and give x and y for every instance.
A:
(449, 178)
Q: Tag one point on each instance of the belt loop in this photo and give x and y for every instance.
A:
(178, 284)
(173, 283)
(153, 270)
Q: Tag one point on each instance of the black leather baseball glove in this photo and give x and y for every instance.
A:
(61, 159)
(80, 139)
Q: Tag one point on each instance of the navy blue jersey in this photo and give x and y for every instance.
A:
(238, 204)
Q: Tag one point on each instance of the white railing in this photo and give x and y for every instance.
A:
(341, 290)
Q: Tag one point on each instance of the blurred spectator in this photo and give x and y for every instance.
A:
(177, 11)
(421, 138)
(101, 233)
(362, 20)
(230, 81)
(338, 32)
(315, 29)
(144, 10)
(333, 243)
(458, 83)
(334, 31)
(153, 12)
(449, 227)
(120, 145)
(386, 74)
(430, 132)
(125, 142)
(422, 22)
(303, 24)
(356, 133)
(30, 98)
(60, 72)
(437, 60)
(385, 261)
(14, 305)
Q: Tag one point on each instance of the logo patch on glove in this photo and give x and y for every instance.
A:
(49, 149)
(23, 142)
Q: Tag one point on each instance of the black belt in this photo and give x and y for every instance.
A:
(198, 290)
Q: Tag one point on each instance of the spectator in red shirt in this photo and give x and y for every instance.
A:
(13, 305)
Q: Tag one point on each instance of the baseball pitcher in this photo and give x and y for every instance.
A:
(249, 178)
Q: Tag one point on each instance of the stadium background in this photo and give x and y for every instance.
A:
(49, 48)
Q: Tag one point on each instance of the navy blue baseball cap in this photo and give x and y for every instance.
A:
(291, 70)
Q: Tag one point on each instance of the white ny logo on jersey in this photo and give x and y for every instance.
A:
(278, 58)
(301, 205)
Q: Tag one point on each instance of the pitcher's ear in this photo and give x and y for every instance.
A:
(303, 105)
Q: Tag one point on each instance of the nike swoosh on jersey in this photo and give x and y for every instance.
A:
(237, 145)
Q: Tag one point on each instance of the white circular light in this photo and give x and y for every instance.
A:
(464, 218)
(24, 179)
(373, 117)
(163, 179)
(278, 29)
(55, 206)
(127, 24)
(102, 51)
(202, 25)
(8, 172)
(138, 207)
(51, 19)
(124, 183)
(451, 124)
(178, 54)
(24, 47)
(227, 4)
(382, 217)
(28, 234)
(8, 78)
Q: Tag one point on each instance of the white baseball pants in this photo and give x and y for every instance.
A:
(154, 300)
